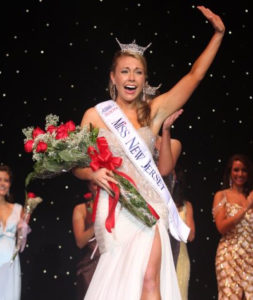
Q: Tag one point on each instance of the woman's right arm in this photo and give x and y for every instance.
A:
(81, 234)
(223, 222)
(101, 176)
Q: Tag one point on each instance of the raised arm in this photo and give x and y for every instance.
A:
(169, 149)
(223, 222)
(167, 103)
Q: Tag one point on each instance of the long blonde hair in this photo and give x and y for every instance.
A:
(143, 108)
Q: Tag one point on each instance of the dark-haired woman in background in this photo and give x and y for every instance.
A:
(233, 216)
(167, 155)
(10, 214)
(185, 209)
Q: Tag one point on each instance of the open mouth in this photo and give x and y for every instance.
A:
(130, 87)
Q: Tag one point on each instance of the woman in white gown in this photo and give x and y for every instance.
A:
(10, 213)
(136, 261)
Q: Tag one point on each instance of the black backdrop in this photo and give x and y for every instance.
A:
(55, 58)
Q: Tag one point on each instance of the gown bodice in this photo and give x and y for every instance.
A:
(143, 186)
(8, 234)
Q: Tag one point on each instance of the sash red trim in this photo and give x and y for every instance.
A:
(105, 159)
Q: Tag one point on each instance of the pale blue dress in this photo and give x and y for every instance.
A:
(10, 275)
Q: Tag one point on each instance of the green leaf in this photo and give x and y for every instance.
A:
(29, 178)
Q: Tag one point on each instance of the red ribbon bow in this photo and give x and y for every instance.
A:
(105, 159)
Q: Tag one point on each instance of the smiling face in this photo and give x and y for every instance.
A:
(5, 183)
(129, 77)
(239, 173)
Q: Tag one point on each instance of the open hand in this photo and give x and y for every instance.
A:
(171, 119)
(214, 19)
(102, 177)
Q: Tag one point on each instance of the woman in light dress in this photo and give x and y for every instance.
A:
(10, 215)
(136, 261)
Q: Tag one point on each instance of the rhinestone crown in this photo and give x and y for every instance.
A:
(133, 47)
(151, 90)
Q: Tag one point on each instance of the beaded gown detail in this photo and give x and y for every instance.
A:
(234, 257)
(10, 275)
(125, 252)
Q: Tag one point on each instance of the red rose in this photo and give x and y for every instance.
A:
(70, 125)
(61, 132)
(41, 147)
(29, 146)
(87, 196)
(37, 131)
(31, 195)
(61, 135)
(51, 128)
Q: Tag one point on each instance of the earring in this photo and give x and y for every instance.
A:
(230, 183)
(143, 94)
(113, 92)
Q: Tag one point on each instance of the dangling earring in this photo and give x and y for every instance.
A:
(230, 183)
(113, 92)
(143, 94)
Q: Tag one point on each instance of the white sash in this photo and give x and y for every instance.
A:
(138, 152)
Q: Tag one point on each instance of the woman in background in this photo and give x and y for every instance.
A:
(233, 216)
(10, 215)
(169, 152)
(83, 229)
(185, 209)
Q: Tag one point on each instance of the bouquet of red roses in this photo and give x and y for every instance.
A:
(60, 147)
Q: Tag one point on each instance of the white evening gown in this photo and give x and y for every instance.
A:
(10, 275)
(125, 252)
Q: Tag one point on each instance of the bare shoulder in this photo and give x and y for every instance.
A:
(188, 204)
(218, 196)
(176, 142)
(91, 116)
(80, 209)
(189, 207)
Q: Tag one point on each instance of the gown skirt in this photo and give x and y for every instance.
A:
(124, 253)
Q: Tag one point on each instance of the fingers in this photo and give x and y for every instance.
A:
(102, 177)
(107, 189)
(214, 19)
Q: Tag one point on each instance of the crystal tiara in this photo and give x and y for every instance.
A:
(151, 90)
(133, 47)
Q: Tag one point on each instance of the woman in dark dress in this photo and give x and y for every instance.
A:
(85, 240)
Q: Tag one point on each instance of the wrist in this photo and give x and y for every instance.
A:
(166, 130)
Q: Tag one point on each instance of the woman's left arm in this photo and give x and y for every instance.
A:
(169, 149)
(167, 103)
(190, 221)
